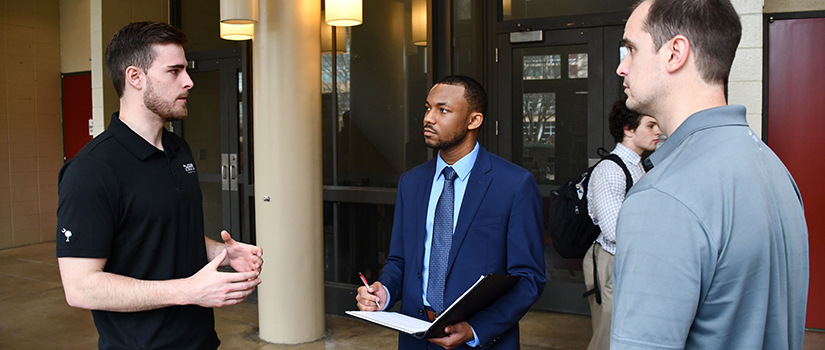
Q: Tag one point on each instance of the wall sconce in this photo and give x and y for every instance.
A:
(238, 18)
(237, 31)
(419, 22)
(344, 13)
(326, 38)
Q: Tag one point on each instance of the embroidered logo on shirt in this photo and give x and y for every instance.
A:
(189, 167)
(67, 233)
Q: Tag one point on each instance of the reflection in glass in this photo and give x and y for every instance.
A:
(463, 10)
(577, 65)
(467, 38)
(381, 85)
(542, 67)
(371, 136)
(539, 129)
(342, 61)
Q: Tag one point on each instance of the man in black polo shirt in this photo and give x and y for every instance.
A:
(130, 236)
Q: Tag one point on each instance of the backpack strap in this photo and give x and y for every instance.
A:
(628, 179)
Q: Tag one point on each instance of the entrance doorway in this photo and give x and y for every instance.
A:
(216, 132)
(557, 86)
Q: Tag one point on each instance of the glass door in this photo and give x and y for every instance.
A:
(213, 130)
(552, 92)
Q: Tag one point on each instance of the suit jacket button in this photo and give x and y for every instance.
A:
(420, 312)
(419, 275)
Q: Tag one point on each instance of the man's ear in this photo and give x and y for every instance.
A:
(476, 118)
(628, 132)
(135, 77)
(678, 49)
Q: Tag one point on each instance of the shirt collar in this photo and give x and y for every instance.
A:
(462, 167)
(709, 118)
(135, 144)
(626, 154)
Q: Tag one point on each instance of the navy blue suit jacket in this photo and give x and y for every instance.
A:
(499, 230)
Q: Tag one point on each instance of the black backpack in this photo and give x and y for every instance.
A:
(571, 228)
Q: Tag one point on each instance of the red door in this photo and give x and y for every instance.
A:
(795, 129)
(77, 110)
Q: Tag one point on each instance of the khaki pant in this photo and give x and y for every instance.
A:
(600, 314)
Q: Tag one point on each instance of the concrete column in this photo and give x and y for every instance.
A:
(286, 80)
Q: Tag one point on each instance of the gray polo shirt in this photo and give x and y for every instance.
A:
(712, 244)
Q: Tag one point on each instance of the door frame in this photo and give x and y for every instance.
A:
(238, 195)
(603, 34)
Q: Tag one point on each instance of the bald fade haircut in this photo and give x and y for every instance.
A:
(473, 91)
(133, 45)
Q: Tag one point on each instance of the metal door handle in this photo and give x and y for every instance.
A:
(225, 172)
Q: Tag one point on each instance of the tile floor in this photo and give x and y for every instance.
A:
(34, 315)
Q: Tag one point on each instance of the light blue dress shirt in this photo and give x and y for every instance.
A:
(462, 168)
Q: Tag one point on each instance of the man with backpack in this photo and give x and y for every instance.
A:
(634, 134)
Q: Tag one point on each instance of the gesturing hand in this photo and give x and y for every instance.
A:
(211, 288)
(242, 257)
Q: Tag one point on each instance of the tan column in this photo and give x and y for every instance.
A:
(286, 80)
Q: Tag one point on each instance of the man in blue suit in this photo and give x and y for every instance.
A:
(494, 226)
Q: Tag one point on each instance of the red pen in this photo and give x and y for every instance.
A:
(364, 279)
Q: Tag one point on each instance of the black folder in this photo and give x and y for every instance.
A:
(480, 295)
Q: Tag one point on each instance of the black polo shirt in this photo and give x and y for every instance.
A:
(140, 208)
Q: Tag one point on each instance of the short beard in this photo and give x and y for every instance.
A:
(164, 110)
(444, 143)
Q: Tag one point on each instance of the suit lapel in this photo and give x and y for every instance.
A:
(477, 185)
(422, 198)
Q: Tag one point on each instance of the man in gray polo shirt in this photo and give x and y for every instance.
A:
(712, 244)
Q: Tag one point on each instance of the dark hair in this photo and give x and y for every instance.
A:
(132, 45)
(473, 91)
(620, 117)
(712, 27)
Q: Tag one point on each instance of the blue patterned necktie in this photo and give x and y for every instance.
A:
(442, 240)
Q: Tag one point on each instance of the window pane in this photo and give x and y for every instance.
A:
(381, 88)
(542, 67)
(577, 65)
(467, 28)
(538, 127)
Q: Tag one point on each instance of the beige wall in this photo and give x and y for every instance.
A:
(106, 18)
(31, 145)
(75, 44)
(745, 82)
(772, 6)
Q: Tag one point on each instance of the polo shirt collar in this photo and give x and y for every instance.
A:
(135, 144)
(706, 119)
